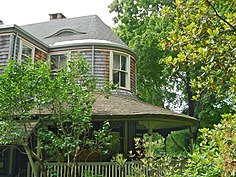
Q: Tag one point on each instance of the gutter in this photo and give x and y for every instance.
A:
(92, 59)
(67, 45)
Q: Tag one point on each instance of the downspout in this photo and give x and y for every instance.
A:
(92, 59)
(14, 46)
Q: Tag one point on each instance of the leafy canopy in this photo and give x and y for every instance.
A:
(59, 102)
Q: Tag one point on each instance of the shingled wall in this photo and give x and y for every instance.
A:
(4, 50)
(102, 66)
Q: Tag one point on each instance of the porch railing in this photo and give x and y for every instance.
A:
(98, 169)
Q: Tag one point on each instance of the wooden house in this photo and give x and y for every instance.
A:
(111, 60)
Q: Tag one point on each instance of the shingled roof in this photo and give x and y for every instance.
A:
(72, 29)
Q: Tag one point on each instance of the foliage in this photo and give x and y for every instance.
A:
(204, 45)
(177, 143)
(181, 28)
(215, 155)
(61, 102)
(202, 58)
(151, 162)
(204, 39)
(142, 28)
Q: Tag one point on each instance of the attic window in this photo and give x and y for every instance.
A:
(65, 32)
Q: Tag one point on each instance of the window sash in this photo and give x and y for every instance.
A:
(120, 70)
(58, 61)
(26, 52)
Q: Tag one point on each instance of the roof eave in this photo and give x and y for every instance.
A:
(149, 117)
(98, 43)
(31, 37)
(16, 29)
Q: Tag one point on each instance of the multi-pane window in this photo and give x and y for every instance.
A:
(26, 52)
(58, 61)
(120, 70)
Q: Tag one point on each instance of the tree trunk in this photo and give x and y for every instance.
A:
(32, 155)
(191, 103)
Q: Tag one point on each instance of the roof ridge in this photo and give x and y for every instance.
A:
(63, 19)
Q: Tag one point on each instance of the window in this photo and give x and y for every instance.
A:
(120, 70)
(26, 52)
(58, 61)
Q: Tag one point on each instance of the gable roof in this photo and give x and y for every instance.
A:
(72, 29)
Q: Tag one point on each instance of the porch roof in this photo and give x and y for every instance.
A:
(127, 107)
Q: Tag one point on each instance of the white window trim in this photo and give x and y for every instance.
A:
(128, 68)
(23, 42)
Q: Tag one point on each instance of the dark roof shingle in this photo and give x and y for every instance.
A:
(88, 27)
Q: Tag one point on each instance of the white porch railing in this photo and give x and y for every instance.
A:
(98, 169)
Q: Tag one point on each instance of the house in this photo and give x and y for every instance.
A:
(111, 60)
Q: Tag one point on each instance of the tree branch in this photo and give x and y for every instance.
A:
(180, 147)
(217, 14)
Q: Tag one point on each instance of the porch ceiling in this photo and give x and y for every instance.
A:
(126, 107)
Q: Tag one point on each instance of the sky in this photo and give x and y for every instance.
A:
(22, 12)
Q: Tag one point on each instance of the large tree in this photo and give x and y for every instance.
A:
(140, 25)
(61, 104)
(204, 41)
(204, 38)
(146, 28)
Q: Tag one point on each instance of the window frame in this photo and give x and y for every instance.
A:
(58, 53)
(127, 83)
(24, 43)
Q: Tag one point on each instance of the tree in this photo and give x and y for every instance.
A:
(204, 39)
(146, 28)
(28, 91)
(142, 28)
(204, 42)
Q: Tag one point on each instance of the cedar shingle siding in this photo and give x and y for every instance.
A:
(101, 67)
(4, 50)
(100, 64)
(39, 55)
(132, 75)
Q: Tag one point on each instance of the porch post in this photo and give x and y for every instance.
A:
(150, 132)
(126, 140)
(132, 134)
(11, 152)
(191, 138)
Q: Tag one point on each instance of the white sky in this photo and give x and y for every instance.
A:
(22, 12)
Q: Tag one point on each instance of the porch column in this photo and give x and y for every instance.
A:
(131, 134)
(126, 140)
(11, 156)
(191, 138)
(150, 133)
